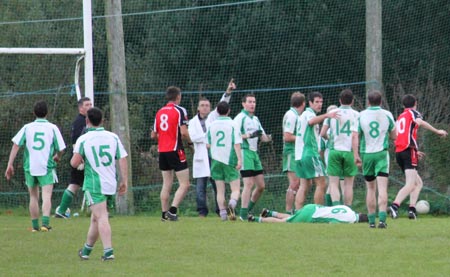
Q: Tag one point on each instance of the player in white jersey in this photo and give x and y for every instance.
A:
(44, 146)
(224, 141)
(324, 152)
(251, 171)
(99, 149)
(312, 213)
(201, 161)
(309, 164)
(289, 133)
(342, 146)
(376, 126)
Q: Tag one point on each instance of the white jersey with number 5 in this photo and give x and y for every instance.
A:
(222, 135)
(42, 139)
(100, 149)
(375, 124)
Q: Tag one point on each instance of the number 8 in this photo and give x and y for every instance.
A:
(164, 125)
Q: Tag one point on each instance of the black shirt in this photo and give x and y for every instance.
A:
(78, 127)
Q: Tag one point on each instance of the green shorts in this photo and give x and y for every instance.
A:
(289, 162)
(341, 163)
(250, 160)
(304, 215)
(223, 172)
(94, 198)
(49, 179)
(375, 163)
(310, 167)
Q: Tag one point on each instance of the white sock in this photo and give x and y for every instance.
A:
(232, 203)
(223, 214)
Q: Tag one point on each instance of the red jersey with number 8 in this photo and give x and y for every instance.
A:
(407, 130)
(167, 125)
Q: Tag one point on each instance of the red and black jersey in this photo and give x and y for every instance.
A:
(167, 125)
(407, 130)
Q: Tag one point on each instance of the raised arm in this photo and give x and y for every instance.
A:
(318, 119)
(225, 97)
(428, 126)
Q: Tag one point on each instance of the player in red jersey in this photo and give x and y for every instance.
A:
(407, 154)
(170, 129)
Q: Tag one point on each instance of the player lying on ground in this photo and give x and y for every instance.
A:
(312, 213)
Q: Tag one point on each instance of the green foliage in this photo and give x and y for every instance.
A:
(436, 159)
(263, 46)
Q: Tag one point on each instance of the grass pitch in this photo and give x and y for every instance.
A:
(144, 246)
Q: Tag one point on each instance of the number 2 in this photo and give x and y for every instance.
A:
(221, 136)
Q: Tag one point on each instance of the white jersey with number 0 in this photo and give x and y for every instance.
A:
(100, 149)
(42, 139)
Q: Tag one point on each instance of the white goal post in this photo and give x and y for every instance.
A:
(86, 53)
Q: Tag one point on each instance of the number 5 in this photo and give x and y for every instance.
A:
(37, 138)
(102, 153)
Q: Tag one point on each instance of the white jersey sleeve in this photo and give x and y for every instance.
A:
(42, 140)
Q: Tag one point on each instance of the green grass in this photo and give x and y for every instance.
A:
(144, 246)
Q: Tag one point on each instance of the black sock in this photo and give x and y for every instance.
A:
(395, 206)
(173, 210)
(413, 209)
(163, 215)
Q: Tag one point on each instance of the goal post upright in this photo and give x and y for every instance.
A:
(89, 57)
(87, 51)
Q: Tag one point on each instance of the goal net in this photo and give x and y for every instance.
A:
(270, 48)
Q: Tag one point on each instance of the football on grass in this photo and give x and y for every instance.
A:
(423, 207)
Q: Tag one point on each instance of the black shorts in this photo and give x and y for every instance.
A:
(175, 160)
(250, 173)
(407, 159)
(76, 177)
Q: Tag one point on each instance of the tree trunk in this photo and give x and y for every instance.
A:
(118, 92)
(374, 72)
